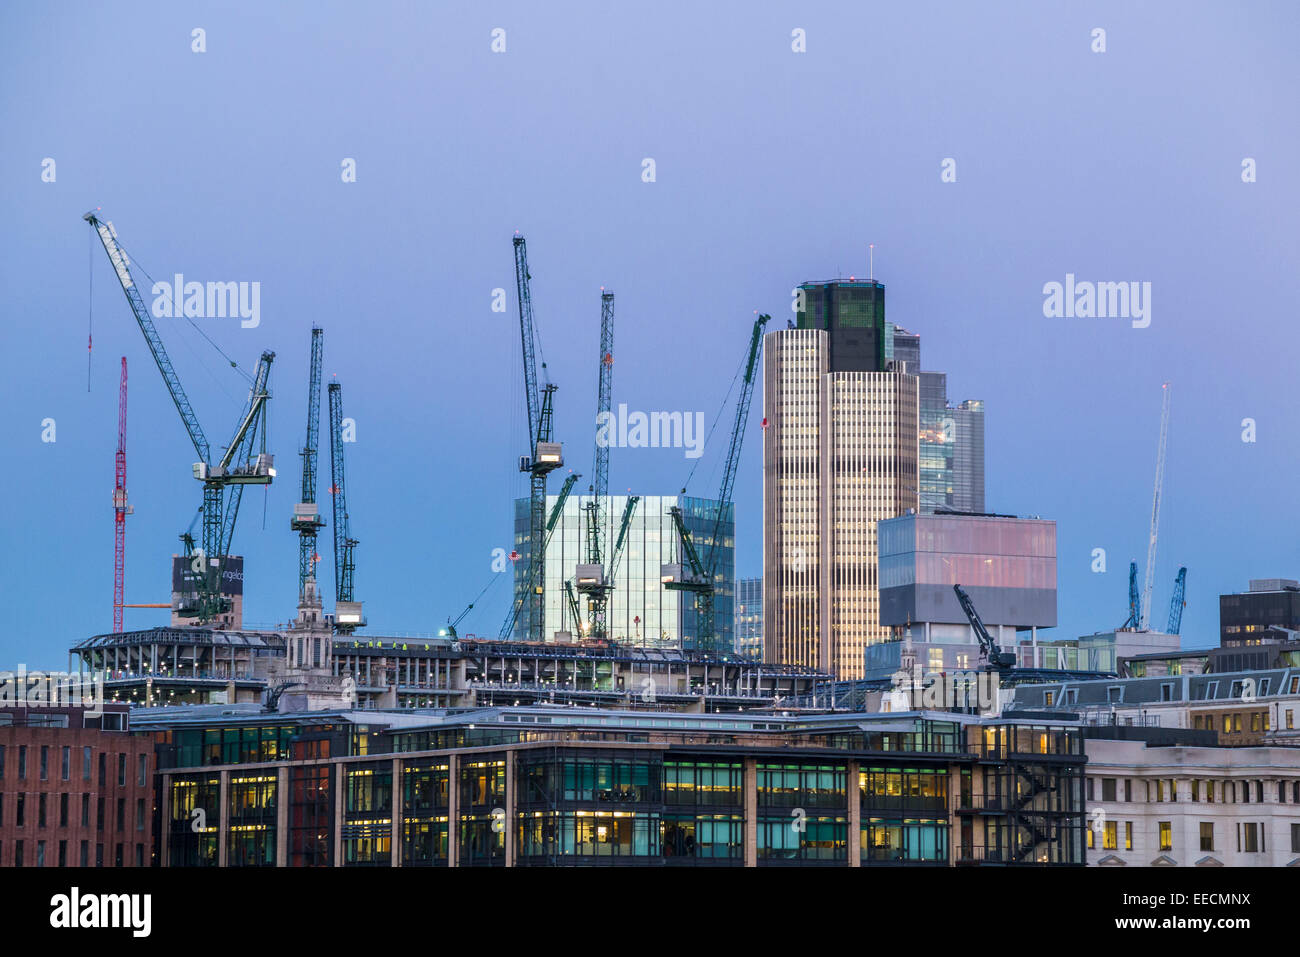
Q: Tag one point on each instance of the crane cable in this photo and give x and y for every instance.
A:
(233, 364)
(722, 408)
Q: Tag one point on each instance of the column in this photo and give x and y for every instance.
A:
(510, 803)
(855, 816)
(340, 787)
(453, 809)
(751, 812)
(223, 827)
(282, 817)
(396, 840)
(164, 839)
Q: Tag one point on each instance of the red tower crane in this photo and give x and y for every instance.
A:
(120, 508)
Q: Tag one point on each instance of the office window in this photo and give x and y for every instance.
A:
(1128, 835)
(99, 816)
(139, 855)
(1209, 792)
(139, 814)
(40, 810)
(1236, 723)
(85, 768)
(121, 814)
(1090, 795)
(20, 802)
(1110, 840)
(40, 852)
(1290, 724)
(65, 768)
(22, 762)
(1245, 792)
(1254, 721)
(1166, 836)
(85, 854)
(103, 771)
(1281, 792)
(63, 853)
(1173, 790)
(2, 761)
(1259, 792)
(45, 762)
(1128, 789)
(141, 770)
(85, 812)
(1295, 837)
(18, 853)
(63, 810)
(1207, 835)
(1160, 790)
(99, 854)
(1251, 843)
(121, 770)
(1108, 789)
(1196, 789)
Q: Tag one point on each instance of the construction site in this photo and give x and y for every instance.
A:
(583, 626)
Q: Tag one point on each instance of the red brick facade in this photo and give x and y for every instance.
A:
(76, 795)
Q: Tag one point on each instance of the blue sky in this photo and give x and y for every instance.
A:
(772, 167)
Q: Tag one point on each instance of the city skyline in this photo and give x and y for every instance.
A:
(431, 369)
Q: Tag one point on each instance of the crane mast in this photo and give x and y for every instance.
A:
(591, 577)
(1155, 508)
(1178, 603)
(120, 508)
(347, 611)
(544, 456)
(306, 519)
(237, 467)
(1134, 619)
(547, 528)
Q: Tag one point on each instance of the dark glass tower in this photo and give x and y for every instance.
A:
(852, 311)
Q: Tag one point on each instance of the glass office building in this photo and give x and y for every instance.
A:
(641, 611)
(749, 618)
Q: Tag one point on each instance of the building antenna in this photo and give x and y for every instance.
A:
(871, 261)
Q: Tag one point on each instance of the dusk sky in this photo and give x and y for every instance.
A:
(772, 167)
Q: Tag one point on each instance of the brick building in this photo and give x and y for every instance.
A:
(76, 789)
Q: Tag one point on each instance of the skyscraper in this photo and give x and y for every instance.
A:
(839, 454)
(952, 437)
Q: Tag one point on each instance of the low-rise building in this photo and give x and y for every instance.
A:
(533, 786)
(76, 788)
(1155, 800)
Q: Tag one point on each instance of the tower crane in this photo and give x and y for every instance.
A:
(120, 508)
(1178, 603)
(1134, 619)
(306, 519)
(246, 461)
(1155, 507)
(347, 611)
(545, 456)
(591, 578)
(702, 574)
